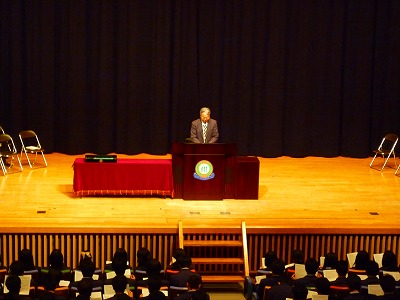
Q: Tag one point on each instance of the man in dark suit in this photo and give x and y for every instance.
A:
(204, 130)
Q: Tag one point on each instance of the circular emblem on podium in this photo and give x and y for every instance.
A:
(204, 170)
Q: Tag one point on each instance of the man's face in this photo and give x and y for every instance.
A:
(204, 117)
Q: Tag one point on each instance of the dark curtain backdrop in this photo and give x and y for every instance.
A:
(295, 78)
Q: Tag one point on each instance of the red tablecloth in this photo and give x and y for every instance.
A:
(125, 177)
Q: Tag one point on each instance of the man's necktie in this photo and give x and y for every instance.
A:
(204, 131)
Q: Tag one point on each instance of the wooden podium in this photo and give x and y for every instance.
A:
(204, 171)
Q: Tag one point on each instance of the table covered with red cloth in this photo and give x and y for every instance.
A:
(124, 177)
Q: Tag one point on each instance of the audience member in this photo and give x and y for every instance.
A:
(299, 292)
(323, 286)
(51, 283)
(119, 265)
(389, 262)
(25, 256)
(329, 263)
(297, 258)
(278, 276)
(269, 258)
(87, 268)
(84, 256)
(195, 291)
(85, 288)
(342, 269)
(17, 268)
(120, 253)
(354, 282)
(280, 291)
(154, 285)
(362, 258)
(388, 285)
(372, 270)
(309, 280)
(56, 261)
(143, 258)
(180, 279)
(13, 284)
(154, 269)
(174, 265)
(119, 284)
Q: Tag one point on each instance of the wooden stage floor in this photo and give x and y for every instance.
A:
(296, 195)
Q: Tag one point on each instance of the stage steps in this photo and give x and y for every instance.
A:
(234, 253)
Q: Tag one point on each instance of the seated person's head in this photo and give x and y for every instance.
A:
(13, 284)
(119, 266)
(389, 260)
(52, 279)
(87, 267)
(323, 286)
(269, 258)
(311, 266)
(185, 262)
(298, 257)
(179, 252)
(372, 268)
(362, 258)
(26, 258)
(154, 268)
(342, 268)
(85, 286)
(143, 256)
(119, 283)
(154, 283)
(56, 259)
(299, 292)
(278, 267)
(121, 253)
(354, 282)
(16, 268)
(388, 283)
(194, 282)
(330, 261)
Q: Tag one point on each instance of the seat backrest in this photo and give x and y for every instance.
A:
(7, 140)
(389, 142)
(27, 134)
(247, 287)
(4, 138)
(391, 137)
(2, 130)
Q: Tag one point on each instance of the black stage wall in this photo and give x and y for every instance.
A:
(292, 78)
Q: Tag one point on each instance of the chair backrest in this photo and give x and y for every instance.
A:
(27, 134)
(7, 140)
(2, 130)
(4, 138)
(389, 142)
(247, 287)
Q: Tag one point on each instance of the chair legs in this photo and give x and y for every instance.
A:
(397, 171)
(4, 167)
(29, 161)
(384, 163)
